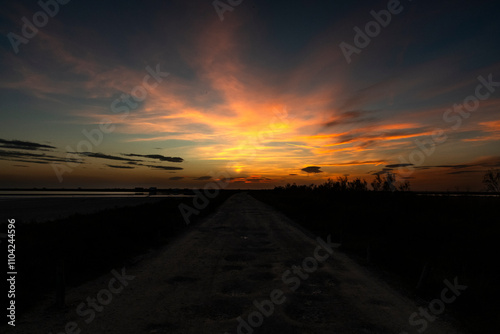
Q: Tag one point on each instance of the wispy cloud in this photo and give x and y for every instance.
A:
(165, 167)
(203, 178)
(312, 169)
(33, 157)
(121, 167)
(23, 145)
(104, 156)
(155, 156)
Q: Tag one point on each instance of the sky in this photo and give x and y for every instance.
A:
(174, 94)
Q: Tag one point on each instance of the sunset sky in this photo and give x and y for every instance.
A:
(266, 95)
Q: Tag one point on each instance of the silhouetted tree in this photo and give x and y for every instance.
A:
(377, 183)
(341, 185)
(389, 182)
(492, 181)
(405, 186)
(342, 181)
(358, 185)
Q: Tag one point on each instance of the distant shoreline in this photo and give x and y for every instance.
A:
(189, 191)
(28, 209)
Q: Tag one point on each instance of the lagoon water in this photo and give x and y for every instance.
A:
(40, 206)
(4, 194)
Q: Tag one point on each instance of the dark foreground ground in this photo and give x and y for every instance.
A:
(93, 236)
(413, 241)
(208, 276)
(245, 269)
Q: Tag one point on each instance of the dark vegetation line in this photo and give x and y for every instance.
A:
(421, 240)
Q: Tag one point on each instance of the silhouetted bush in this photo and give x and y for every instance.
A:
(343, 184)
(492, 181)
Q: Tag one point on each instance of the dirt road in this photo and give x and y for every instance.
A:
(207, 282)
